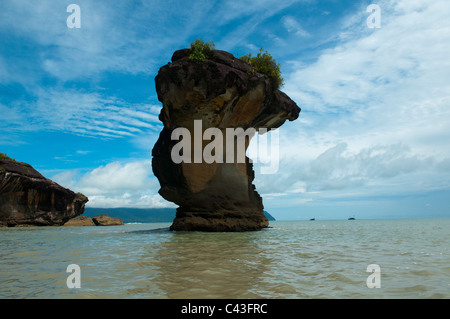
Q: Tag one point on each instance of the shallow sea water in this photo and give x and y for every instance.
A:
(290, 260)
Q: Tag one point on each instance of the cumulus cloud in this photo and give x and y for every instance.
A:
(338, 168)
(117, 176)
(116, 185)
(129, 200)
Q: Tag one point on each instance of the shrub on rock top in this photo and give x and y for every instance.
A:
(201, 50)
(264, 63)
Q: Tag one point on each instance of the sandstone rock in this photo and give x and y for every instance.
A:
(80, 221)
(28, 198)
(105, 220)
(223, 93)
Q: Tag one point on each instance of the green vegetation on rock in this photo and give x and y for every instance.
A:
(201, 50)
(5, 157)
(264, 63)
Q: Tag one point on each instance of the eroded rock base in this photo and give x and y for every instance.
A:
(222, 221)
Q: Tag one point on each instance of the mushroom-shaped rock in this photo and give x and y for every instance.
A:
(217, 96)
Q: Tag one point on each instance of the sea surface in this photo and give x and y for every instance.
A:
(290, 260)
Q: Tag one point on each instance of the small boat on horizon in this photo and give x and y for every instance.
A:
(312, 218)
(351, 218)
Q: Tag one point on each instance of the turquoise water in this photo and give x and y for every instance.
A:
(299, 259)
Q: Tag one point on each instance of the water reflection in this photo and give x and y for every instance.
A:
(207, 265)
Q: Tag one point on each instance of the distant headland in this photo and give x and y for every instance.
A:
(143, 215)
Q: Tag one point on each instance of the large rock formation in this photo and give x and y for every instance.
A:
(28, 198)
(222, 92)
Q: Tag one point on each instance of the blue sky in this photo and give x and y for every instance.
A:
(373, 138)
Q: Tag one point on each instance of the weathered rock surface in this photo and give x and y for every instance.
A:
(223, 93)
(80, 221)
(105, 220)
(28, 198)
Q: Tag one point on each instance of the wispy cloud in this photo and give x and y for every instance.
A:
(293, 26)
(382, 85)
(248, 16)
(110, 38)
(90, 114)
(64, 73)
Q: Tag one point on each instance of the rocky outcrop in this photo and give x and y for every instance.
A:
(105, 220)
(28, 198)
(99, 220)
(80, 221)
(222, 92)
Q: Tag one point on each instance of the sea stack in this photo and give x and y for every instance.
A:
(29, 199)
(221, 92)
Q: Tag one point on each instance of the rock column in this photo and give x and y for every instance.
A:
(201, 101)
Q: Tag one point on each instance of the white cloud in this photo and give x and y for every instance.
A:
(255, 13)
(117, 177)
(117, 38)
(339, 168)
(398, 71)
(82, 152)
(230, 10)
(293, 26)
(116, 185)
(375, 106)
(87, 113)
(123, 37)
(99, 45)
(143, 201)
